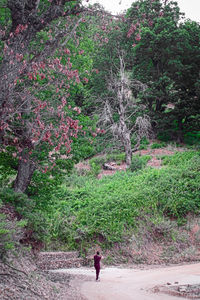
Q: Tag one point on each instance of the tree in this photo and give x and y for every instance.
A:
(163, 53)
(120, 109)
(37, 120)
(184, 71)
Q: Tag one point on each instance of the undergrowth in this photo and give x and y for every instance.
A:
(85, 211)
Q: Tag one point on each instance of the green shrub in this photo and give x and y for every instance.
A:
(144, 143)
(139, 162)
(180, 158)
(8, 168)
(7, 195)
(164, 136)
(117, 157)
(136, 164)
(87, 211)
(98, 160)
(158, 145)
(192, 138)
(95, 169)
(10, 233)
(108, 210)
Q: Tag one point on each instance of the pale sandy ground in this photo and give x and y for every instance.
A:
(134, 284)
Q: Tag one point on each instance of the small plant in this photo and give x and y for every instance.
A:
(139, 162)
(158, 145)
(108, 260)
(144, 144)
(10, 233)
(192, 138)
(99, 160)
(136, 164)
(95, 169)
(117, 157)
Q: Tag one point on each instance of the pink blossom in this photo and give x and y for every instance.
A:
(42, 76)
(138, 37)
(64, 101)
(77, 109)
(19, 57)
(150, 23)
(67, 51)
(81, 52)
(85, 79)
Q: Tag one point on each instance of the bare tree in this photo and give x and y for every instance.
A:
(122, 103)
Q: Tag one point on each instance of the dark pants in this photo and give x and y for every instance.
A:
(97, 268)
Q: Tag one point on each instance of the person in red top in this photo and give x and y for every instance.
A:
(97, 259)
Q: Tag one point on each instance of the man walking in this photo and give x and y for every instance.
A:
(97, 259)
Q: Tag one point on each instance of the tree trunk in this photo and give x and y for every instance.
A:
(180, 136)
(25, 172)
(128, 150)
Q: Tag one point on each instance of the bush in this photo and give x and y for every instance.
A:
(117, 157)
(8, 169)
(109, 210)
(139, 162)
(144, 144)
(95, 169)
(98, 160)
(10, 233)
(87, 211)
(158, 145)
(192, 138)
(7, 195)
(136, 164)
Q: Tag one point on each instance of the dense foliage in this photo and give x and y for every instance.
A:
(86, 210)
(72, 79)
(165, 52)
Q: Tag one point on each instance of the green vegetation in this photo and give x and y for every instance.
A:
(139, 162)
(9, 231)
(86, 211)
(60, 108)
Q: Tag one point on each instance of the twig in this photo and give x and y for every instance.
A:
(6, 274)
(15, 268)
(27, 288)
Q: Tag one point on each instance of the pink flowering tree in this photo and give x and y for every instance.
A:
(38, 120)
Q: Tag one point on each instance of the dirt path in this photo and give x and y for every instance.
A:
(135, 284)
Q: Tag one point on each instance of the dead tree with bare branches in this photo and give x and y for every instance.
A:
(122, 104)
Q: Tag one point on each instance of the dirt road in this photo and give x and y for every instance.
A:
(135, 284)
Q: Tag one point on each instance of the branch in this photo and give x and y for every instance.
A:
(72, 32)
(25, 12)
(15, 268)
(6, 274)
(37, 4)
(28, 288)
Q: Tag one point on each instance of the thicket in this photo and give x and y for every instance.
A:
(85, 210)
